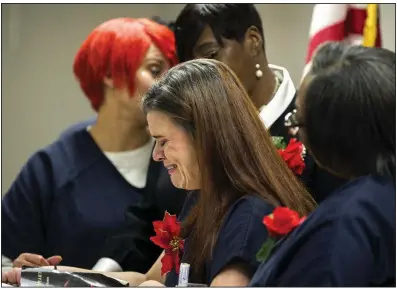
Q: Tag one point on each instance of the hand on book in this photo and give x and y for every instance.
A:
(12, 276)
(34, 260)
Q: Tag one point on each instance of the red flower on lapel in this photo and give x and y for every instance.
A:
(279, 223)
(293, 154)
(282, 221)
(167, 237)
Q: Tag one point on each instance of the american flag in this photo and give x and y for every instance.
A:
(354, 23)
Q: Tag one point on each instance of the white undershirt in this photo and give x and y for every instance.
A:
(133, 165)
(282, 99)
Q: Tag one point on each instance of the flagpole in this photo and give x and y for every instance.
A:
(370, 29)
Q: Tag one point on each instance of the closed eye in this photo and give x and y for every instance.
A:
(155, 70)
(211, 55)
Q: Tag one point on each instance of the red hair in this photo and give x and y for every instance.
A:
(116, 49)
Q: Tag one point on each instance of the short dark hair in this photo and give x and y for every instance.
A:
(349, 110)
(159, 20)
(230, 21)
(327, 55)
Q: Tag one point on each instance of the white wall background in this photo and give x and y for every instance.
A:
(40, 97)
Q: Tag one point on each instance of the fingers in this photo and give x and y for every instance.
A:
(19, 263)
(54, 260)
(26, 259)
(11, 277)
(32, 260)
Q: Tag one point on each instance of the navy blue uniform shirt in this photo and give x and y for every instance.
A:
(240, 237)
(350, 240)
(67, 200)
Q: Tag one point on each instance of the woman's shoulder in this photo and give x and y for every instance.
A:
(373, 194)
(247, 212)
(241, 234)
(371, 204)
(366, 197)
(368, 185)
(252, 202)
(364, 207)
(57, 164)
(338, 241)
(74, 154)
(253, 205)
(77, 127)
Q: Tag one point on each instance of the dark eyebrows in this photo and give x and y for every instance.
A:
(155, 60)
(205, 46)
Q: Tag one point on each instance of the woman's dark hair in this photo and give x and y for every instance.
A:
(230, 21)
(169, 24)
(349, 110)
(235, 153)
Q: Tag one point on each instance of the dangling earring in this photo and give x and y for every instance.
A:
(258, 72)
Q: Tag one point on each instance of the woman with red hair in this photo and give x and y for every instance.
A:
(72, 195)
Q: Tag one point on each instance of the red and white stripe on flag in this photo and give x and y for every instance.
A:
(337, 22)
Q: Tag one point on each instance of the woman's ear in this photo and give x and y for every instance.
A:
(253, 41)
(108, 82)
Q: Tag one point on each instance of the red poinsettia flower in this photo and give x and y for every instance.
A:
(167, 237)
(293, 156)
(281, 222)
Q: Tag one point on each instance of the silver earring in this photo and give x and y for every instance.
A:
(258, 72)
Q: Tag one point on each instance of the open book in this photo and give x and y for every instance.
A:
(44, 277)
